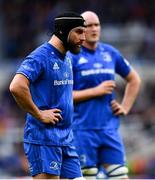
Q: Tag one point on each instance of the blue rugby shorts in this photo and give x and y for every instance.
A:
(99, 147)
(61, 161)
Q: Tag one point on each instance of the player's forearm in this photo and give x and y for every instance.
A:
(131, 92)
(83, 95)
(23, 98)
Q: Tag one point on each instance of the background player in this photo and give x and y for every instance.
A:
(97, 112)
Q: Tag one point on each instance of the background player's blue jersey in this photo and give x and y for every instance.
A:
(51, 85)
(90, 68)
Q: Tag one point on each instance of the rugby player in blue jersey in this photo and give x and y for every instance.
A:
(42, 86)
(96, 114)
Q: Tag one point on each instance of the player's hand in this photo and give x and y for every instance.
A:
(105, 87)
(50, 116)
(117, 108)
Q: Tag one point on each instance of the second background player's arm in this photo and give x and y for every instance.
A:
(105, 87)
(131, 90)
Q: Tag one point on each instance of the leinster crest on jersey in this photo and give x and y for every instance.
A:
(106, 57)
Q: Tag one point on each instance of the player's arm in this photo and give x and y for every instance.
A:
(20, 90)
(131, 92)
(105, 87)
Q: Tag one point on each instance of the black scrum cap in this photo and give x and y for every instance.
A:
(64, 23)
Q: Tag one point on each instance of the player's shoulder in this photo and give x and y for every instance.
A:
(108, 47)
(41, 52)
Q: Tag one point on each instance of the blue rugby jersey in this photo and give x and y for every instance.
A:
(90, 68)
(51, 85)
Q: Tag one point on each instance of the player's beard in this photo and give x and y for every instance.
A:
(75, 49)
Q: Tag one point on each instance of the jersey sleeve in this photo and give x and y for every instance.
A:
(122, 67)
(31, 68)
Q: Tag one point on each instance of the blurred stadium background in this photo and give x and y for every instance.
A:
(129, 25)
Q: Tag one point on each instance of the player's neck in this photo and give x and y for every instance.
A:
(91, 46)
(57, 43)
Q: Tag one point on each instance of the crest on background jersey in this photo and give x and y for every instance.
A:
(106, 57)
